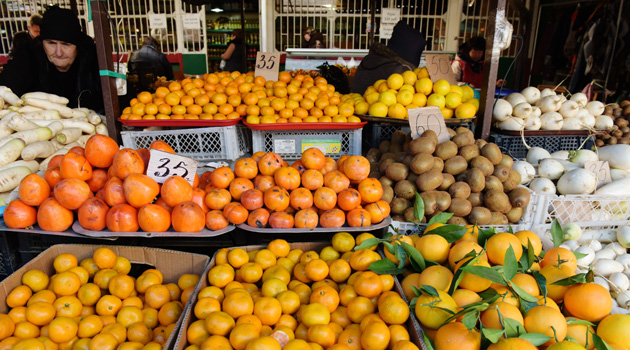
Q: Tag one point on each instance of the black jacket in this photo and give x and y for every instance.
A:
(21, 40)
(30, 70)
(149, 60)
(380, 63)
(235, 62)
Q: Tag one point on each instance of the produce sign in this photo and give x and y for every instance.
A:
(439, 67)
(428, 118)
(267, 65)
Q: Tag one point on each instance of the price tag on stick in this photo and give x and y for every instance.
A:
(163, 165)
(267, 65)
(601, 169)
(428, 118)
(439, 67)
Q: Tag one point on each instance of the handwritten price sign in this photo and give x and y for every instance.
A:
(601, 170)
(267, 65)
(163, 165)
(428, 118)
(439, 67)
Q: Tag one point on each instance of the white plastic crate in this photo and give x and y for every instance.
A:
(409, 228)
(201, 144)
(289, 144)
(383, 132)
(587, 210)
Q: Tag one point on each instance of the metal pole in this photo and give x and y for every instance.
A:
(372, 33)
(612, 53)
(244, 46)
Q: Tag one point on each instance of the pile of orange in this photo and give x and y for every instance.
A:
(325, 299)
(313, 191)
(560, 315)
(225, 96)
(93, 304)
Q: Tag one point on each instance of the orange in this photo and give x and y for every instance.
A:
(249, 319)
(588, 301)
(238, 303)
(26, 330)
(68, 306)
(555, 273)
(219, 323)
(169, 313)
(375, 336)
(613, 328)
(525, 236)
(146, 280)
(263, 343)
(541, 319)
(37, 280)
(430, 309)
(268, 310)
(206, 306)
(326, 296)
(490, 317)
(242, 334)
(368, 284)
(512, 344)
(104, 258)
(316, 269)
(83, 274)
(497, 245)
(129, 314)
(265, 258)
(289, 301)
(278, 271)
(66, 283)
(121, 286)
(459, 250)
(29, 344)
(582, 333)
(359, 307)
(40, 313)
(361, 259)
(279, 247)
(139, 333)
(64, 262)
(456, 336)
(157, 295)
(559, 256)
(19, 296)
(90, 326)
(237, 257)
(473, 282)
(150, 317)
(104, 341)
(433, 247)
(393, 310)
(220, 275)
(436, 276)
(62, 329)
(272, 287)
(89, 265)
(527, 283)
(339, 270)
(197, 333)
(321, 334)
(102, 277)
(187, 280)
(212, 292)
(108, 305)
(18, 314)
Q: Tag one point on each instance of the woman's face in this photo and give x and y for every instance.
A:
(475, 54)
(60, 53)
(307, 36)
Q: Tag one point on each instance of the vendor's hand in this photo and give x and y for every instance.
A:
(500, 83)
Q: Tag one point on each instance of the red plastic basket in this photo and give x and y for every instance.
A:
(180, 122)
(306, 126)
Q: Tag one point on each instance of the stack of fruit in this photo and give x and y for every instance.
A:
(620, 132)
(412, 89)
(228, 96)
(93, 305)
(312, 299)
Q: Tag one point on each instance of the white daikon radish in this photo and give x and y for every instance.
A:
(571, 232)
(547, 92)
(602, 282)
(55, 127)
(616, 188)
(10, 178)
(623, 236)
(596, 108)
(587, 118)
(542, 185)
(605, 254)
(64, 111)
(68, 135)
(617, 156)
(40, 149)
(617, 174)
(29, 136)
(101, 129)
(28, 109)
(536, 112)
(580, 99)
(531, 94)
(45, 96)
(522, 110)
(606, 267)
(582, 156)
(9, 97)
(5, 130)
(49, 114)
(572, 124)
(569, 109)
(570, 244)
(624, 259)
(94, 118)
(577, 181)
(31, 164)
(589, 255)
(19, 123)
(623, 299)
(10, 151)
(85, 127)
(533, 123)
(81, 141)
(512, 123)
(560, 155)
(604, 122)
(568, 166)
(515, 98)
(525, 169)
(551, 121)
(535, 154)
(502, 110)
(549, 104)
(598, 236)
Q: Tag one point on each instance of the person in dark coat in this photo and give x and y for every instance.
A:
(401, 54)
(61, 61)
(233, 55)
(149, 59)
(313, 39)
(22, 39)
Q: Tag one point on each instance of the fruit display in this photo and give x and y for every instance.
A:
(299, 296)
(532, 109)
(95, 304)
(230, 96)
(620, 132)
(469, 178)
(36, 127)
(412, 89)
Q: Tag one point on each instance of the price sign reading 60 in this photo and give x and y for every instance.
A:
(267, 65)
(163, 165)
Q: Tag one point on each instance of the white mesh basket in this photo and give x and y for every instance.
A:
(289, 144)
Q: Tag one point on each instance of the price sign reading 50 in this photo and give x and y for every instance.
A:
(267, 65)
(163, 165)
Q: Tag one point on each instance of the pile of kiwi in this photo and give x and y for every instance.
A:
(470, 178)
(620, 112)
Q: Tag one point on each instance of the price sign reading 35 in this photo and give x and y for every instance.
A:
(267, 65)
(163, 165)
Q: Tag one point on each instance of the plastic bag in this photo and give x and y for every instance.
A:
(335, 76)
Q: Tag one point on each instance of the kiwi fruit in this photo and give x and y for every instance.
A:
(397, 171)
(406, 147)
(459, 207)
(384, 164)
(457, 220)
(446, 150)
(507, 161)
(388, 194)
(501, 172)
(373, 155)
(513, 180)
(459, 190)
(384, 146)
(498, 219)
(405, 189)
(447, 181)
(519, 197)
(469, 152)
(514, 215)
(462, 129)
(399, 137)
(387, 155)
(398, 218)
(492, 152)
(476, 199)
(493, 183)
(431, 135)
(407, 159)
(497, 201)
(399, 205)
(410, 215)
(430, 180)
(422, 145)
(395, 148)
(480, 143)
(421, 163)
(374, 174)
(385, 181)
(479, 216)
(464, 139)
(475, 179)
(443, 200)
(430, 202)
(455, 165)
(412, 177)
(451, 133)
(399, 157)
(438, 164)
(483, 164)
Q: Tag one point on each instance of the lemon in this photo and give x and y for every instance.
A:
(447, 113)
(372, 97)
(329, 253)
(268, 119)
(409, 77)
(465, 110)
(436, 100)
(404, 97)
(395, 81)
(253, 119)
(354, 119)
(339, 119)
(361, 107)
(474, 102)
(453, 100)
(378, 109)
(457, 89)
(387, 97)
(467, 93)
(424, 86)
(442, 87)
(423, 73)
(310, 119)
(407, 87)
(419, 99)
(368, 90)
(378, 82)
(397, 111)
(383, 87)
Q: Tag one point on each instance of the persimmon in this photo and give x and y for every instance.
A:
(258, 218)
(371, 190)
(74, 165)
(297, 165)
(92, 214)
(33, 189)
(288, 178)
(332, 218)
(301, 198)
(337, 181)
(238, 186)
(215, 220)
(98, 179)
(72, 192)
(235, 213)
(378, 210)
(281, 219)
(18, 214)
(325, 198)
(154, 218)
(269, 163)
(246, 168)
(199, 197)
(113, 192)
(312, 179)
(221, 177)
(349, 199)
(140, 190)
(127, 161)
(252, 199)
(188, 217)
(122, 218)
(176, 190)
(52, 216)
(356, 168)
(313, 158)
(276, 199)
(359, 217)
(55, 161)
(306, 218)
(52, 176)
(218, 199)
(100, 150)
(161, 146)
(264, 182)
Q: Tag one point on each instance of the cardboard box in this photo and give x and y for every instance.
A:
(413, 327)
(171, 263)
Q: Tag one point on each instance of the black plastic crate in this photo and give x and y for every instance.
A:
(514, 147)
(8, 256)
(199, 245)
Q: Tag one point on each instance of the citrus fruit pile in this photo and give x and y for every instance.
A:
(412, 89)
(315, 190)
(93, 304)
(484, 286)
(225, 96)
(313, 299)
